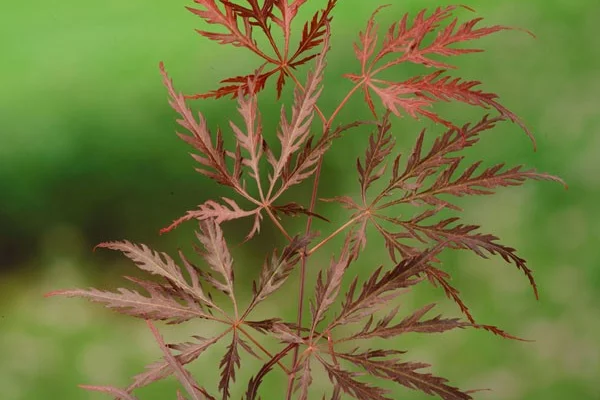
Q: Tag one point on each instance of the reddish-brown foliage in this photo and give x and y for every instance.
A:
(430, 179)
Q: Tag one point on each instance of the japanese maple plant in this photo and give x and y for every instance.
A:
(262, 166)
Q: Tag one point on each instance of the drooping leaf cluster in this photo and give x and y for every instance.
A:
(430, 178)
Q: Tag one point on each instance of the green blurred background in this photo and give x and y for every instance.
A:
(88, 153)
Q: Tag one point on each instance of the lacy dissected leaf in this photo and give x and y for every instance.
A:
(378, 364)
(406, 43)
(233, 16)
(327, 289)
(394, 244)
(255, 381)
(251, 140)
(238, 84)
(307, 160)
(293, 209)
(413, 323)
(184, 377)
(470, 183)
(460, 236)
(379, 289)
(217, 255)
(157, 307)
(255, 13)
(211, 156)
(437, 277)
(441, 278)
(229, 363)
(278, 268)
(161, 264)
(294, 134)
(220, 213)
(212, 14)
(289, 10)
(313, 34)
(380, 147)
(357, 237)
(285, 332)
(419, 166)
(188, 352)
(346, 381)
(305, 380)
(435, 86)
(113, 391)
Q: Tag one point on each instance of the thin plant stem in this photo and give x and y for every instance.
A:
(261, 347)
(305, 256)
(335, 233)
(278, 224)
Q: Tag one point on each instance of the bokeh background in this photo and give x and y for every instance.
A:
(88, 153)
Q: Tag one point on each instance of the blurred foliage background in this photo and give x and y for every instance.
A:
(88, 154)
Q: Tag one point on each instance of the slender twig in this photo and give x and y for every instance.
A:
(261, 347)
(335, 233)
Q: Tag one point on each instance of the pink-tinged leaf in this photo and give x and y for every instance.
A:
(211, 14)
(394, 98)
(239, 83)
(258, 14)
(453, 140)
(404, 373)
(346, 381)
(185, 378)
(463, 237)
(470, 183)
(305, 164)
(278, 268)
(444, 89)
(219, 212)
(294, 209)
(357, 237)
(210, 156)
(346, 201)
(157, 264)
(327, 289)
(113, 391)
(365, 47)
(188, 352)
(438, 277)
(217, 253)
(158, 307)
(395, 245)
(413, 323)
(293, 134)
(229, 363)
(313, 33)
(305, 379)
(408, 41)
(380, 147)
(379, 289)
(308, 159)
(288, 9)
(251, 140)
(285, 334)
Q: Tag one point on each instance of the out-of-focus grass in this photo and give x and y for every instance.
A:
(87, 142)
